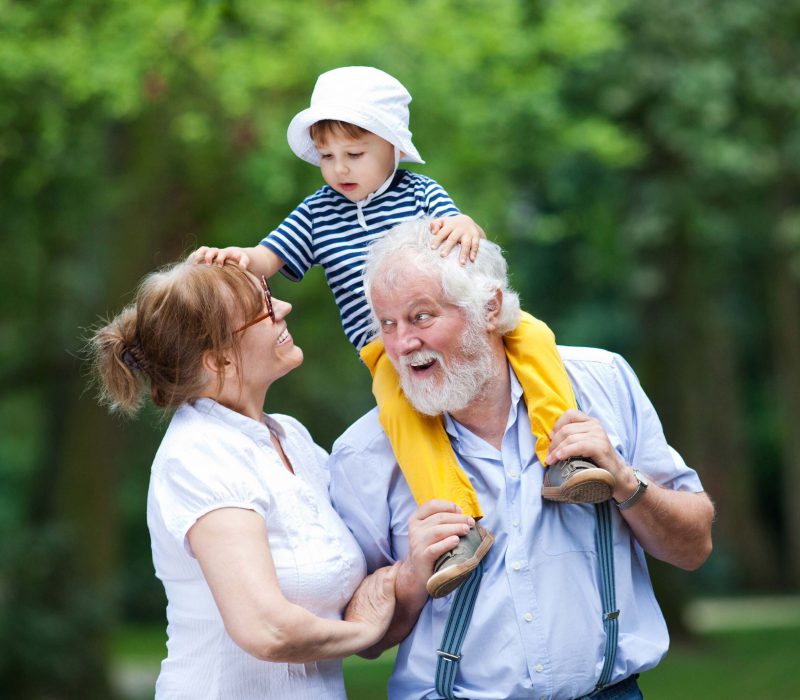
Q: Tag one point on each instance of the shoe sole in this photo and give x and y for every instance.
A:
(450, 578)
(589, 486)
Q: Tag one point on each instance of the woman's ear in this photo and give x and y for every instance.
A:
(493, 307)
(212, 363)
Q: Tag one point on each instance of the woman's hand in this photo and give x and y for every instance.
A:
(373, 603)
(433, 529)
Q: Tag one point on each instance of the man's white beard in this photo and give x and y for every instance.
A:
(462, 381)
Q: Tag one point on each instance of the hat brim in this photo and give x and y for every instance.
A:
(303, 147)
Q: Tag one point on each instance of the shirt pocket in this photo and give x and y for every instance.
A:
(565, 528)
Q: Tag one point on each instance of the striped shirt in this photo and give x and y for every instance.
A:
(324, 230)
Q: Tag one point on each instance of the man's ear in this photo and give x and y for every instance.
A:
(493, 308)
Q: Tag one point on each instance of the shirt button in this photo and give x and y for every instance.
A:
(538, 668)
(513, 474)
(515, 522)
(528, 617)
(516, 566)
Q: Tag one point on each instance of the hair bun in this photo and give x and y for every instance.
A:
(132, 357)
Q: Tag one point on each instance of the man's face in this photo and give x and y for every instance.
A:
(443, 360)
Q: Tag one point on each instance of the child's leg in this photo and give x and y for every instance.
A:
(534, 357)
(420, 443)
(532, 352)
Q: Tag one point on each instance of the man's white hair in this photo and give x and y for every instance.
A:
(407, 248)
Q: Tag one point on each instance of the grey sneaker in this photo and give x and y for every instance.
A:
(577, 480)
(452, 568)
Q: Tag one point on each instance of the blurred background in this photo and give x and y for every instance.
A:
(638, 161)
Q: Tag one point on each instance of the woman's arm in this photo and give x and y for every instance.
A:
(232, 549)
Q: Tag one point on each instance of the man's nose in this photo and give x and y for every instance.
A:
(407, 340)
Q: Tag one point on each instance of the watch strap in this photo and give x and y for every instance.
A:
(633, 499)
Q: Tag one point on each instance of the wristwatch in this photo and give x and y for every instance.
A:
(637, 494)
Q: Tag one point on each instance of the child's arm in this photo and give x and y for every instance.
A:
(458, 229)
(259, 259)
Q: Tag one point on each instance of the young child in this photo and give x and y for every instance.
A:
(356, 131)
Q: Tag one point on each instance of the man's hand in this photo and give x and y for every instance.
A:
(433, 530)
(577, 435)
(460, 229)
(674, 526)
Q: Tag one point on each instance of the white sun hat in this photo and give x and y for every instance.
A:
(360, 95)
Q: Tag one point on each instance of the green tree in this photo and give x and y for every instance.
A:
(129, 133)
(707, 247)
(638, 160)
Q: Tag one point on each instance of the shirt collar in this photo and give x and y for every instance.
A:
(258, 431)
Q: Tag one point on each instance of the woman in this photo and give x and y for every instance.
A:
(257, 567)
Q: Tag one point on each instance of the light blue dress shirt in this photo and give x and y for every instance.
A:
(537, 629)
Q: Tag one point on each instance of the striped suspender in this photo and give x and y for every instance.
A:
(464, 602)
(454, 631)
(605, 553)
(604, 536)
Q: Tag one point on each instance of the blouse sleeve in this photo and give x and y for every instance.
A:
(204, 478)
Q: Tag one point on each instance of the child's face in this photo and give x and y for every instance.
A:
(355, 167)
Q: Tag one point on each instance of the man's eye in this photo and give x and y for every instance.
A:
(386, 323)
(423, 317)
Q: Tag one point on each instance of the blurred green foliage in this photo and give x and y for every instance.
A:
(638, 160)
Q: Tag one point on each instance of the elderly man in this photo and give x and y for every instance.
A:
(564, 608)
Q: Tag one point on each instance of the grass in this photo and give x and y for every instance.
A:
(366, 680)
(751, 664)
(140, 644)
(746, 664)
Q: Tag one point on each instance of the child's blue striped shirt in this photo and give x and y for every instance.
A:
(324, 230)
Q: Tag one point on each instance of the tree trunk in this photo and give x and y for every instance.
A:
(693, 345)
(786, 341)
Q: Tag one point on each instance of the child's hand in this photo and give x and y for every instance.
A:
(218, 256)
(459, 229)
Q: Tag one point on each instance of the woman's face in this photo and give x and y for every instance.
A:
(267, 349)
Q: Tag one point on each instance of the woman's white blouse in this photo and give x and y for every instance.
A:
(212, 457)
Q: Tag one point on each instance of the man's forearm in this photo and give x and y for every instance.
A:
(673, 526)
